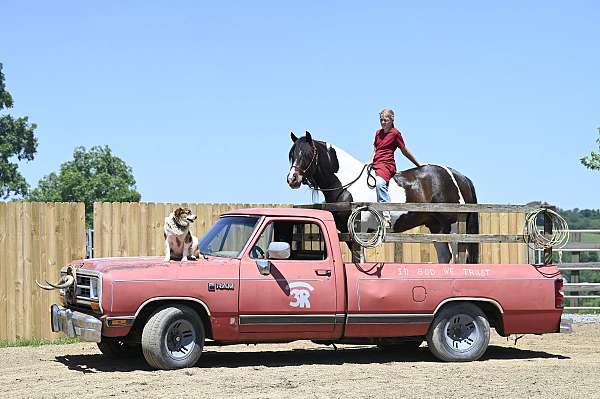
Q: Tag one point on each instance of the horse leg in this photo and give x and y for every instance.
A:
(442, 249)
(409, 220)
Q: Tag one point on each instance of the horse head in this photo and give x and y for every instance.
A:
(303, 160)
(309, 158)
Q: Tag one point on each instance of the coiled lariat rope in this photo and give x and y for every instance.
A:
(536, 239)
(376, 238)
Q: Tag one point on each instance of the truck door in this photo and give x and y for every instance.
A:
(299, 294)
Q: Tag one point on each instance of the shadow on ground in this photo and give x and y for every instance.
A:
(296, 357)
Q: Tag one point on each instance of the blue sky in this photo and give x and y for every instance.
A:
(199, 98)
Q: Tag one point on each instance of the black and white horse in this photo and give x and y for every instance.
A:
(329, 168)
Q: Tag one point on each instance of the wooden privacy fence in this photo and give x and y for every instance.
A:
(136, 228)
(36, 240)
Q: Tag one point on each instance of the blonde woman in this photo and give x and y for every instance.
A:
(387, 140)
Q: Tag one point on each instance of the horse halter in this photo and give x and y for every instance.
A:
(302, 171)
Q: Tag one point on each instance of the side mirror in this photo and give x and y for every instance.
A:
(278, 250)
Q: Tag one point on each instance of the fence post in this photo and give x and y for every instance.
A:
(461, 256)
(575, 273)
(547, 233)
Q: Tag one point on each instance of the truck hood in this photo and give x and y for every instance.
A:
(150, 267)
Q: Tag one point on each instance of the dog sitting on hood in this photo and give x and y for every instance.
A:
(180, 244)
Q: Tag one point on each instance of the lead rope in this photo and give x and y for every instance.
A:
(537, 240)
(376, 238)
(370, 181)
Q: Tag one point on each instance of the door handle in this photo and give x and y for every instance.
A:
(323, 272)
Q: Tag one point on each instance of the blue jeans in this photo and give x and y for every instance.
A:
(381, 187)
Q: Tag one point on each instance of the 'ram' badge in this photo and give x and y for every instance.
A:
(220, 286)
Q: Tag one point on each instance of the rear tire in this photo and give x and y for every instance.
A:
(459, 333)
(173, 338)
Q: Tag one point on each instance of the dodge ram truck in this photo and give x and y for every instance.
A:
(277, 275)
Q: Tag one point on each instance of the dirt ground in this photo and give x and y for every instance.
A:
(553, 365)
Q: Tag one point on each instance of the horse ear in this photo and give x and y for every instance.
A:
(294, 138)
(308, 137)
(335, 164)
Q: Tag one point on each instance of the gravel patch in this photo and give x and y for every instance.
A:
(582, 318)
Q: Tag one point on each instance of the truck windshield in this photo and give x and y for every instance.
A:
(228, 236)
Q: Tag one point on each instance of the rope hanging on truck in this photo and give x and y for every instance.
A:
(376, 238)
(536, 239)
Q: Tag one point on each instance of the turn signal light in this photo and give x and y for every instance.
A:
(559, 296)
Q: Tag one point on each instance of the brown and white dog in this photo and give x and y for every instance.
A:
(180, 244)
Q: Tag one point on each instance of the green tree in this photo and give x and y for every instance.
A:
(16, 140)
(592, 161)
(94, 175)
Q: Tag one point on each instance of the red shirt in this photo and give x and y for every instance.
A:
(384, 163)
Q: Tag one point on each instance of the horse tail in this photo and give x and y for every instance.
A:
(473, 228)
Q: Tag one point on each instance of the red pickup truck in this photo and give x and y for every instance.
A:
(277, 275)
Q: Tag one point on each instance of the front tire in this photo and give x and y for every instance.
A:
(173, 338)
(459, 333)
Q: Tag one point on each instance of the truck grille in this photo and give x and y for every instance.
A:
(86, 292)
(84, 288)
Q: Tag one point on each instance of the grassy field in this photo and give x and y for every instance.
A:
(37, 342)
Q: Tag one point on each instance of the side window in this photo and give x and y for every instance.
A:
(305, 238)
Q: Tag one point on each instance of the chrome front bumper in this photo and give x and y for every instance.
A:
(75, 324)
(566, 325)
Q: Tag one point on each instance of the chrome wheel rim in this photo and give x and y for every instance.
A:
(461, 333)
(180, 339)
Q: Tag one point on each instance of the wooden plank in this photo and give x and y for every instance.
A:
(97, 223)
(424, 247)
(114, 229)
(504, 252)
(581, 287)
(106, 231)
(44, 318)
(19, 275)
(37, 307)
(143, 229)
(462, 229)
(495, 229)
(513, 251)
(11, 262)
(521, 248)
(581, 246)
(579, 266)
(431, 238)
(134, 227)
(484, 228)
(123, 237)
(3, 269)
(26, 239)
(412, 207)
(52, 253)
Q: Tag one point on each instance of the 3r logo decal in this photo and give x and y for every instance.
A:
(301, 292)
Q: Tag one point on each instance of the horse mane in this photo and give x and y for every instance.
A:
(335, 164)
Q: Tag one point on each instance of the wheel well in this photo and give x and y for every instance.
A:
(149, 309)
(491, 311)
